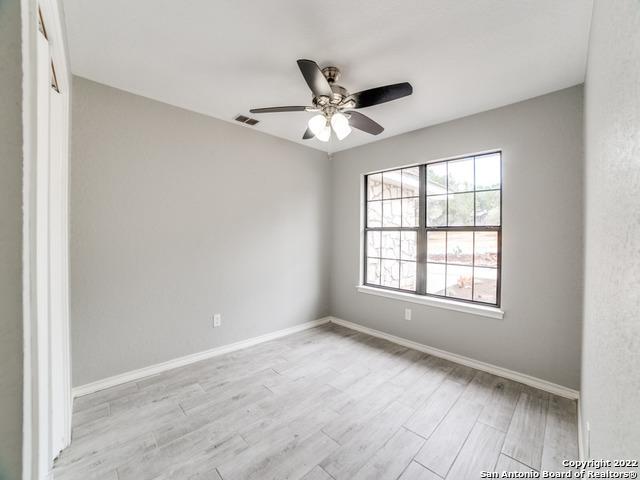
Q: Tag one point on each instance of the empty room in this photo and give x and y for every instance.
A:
(270, 240)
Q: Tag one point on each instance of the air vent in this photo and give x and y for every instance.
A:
(247, 120)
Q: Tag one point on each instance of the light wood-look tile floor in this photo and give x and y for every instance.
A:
(326, 403)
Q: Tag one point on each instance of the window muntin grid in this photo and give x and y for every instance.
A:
(442, 235)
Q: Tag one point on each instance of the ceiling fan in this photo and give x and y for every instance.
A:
(335, 105)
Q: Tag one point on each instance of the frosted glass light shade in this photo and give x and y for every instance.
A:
(317, 124)
(320, 128)
(324, 134)
(340, 125)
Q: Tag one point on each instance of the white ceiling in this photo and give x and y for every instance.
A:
(222, 57)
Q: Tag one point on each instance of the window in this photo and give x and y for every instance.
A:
(435, 229)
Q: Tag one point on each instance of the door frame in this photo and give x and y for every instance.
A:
(47, 400)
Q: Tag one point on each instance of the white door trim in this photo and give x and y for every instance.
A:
(60, 388)
(46, 359)
(42, 256)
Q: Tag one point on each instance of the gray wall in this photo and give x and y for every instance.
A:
(541, 140)
(175, 216)
(611, 337)
(10, 241)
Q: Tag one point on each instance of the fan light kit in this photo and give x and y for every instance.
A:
(321, 127)
(335, 106)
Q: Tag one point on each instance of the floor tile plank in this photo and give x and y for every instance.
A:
(362, 443)
(425, 420)
(501, 404)
(508, 464)
(561, 434)
(268, 461)
(415, 471)
(440, 451)
(479, 453)
(317, 474)
(392, 459)
(525, 436)
(91, 414)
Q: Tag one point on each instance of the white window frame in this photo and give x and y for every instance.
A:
(469, 307)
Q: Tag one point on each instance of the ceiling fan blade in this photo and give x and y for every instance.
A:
(364, 123)
(314, 78)
(308, 134)
(375, 96)
(279, 109)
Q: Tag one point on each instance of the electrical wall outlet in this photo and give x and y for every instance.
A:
(407, 314)
(217, 320)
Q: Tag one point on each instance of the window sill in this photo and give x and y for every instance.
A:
(481, 310)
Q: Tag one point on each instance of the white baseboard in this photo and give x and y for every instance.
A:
(214, 352)
(470, 362)
(189, 359)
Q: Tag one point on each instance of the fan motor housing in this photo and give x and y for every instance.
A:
(339, 99)
(339, 93)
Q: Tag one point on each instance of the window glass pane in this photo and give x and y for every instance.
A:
(459, 281)
(488, 208)
(461, 209)
(462, 261)
(436, 178)
(437, 211)
(391, 245)
(391, 184)
(408, 246)
(460, 248)
(373, 271)
(485, 284)
(486, 249)
(391, 213)
(373, 244)
(411, 182)
(410, 210)
(460, 175)
(435, 278)
(374, 214)
(374, 187)
(408, 275)
(488, 172)
(436, 247)
(390, 275)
